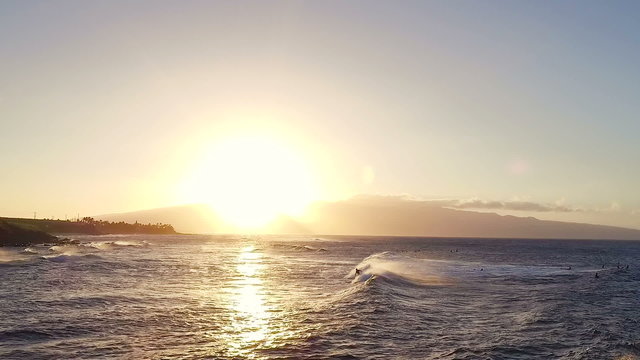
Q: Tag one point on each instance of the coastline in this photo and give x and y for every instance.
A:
(16, 232)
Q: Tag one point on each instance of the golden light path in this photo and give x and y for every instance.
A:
(251, 316)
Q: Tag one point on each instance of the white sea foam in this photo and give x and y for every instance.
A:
(426, 271)
(11, 255)
(394, 266)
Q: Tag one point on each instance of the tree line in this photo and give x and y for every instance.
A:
(107, 227)
(89, 225)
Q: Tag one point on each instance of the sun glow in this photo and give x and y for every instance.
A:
(249, 180)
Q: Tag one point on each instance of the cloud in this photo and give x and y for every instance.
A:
(513, 205)
(614, 207)
(383, 199)
(510, 205)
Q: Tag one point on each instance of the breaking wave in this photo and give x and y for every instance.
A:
(65, 252)
(12, 256)
(395, 267)
(69, 257)
(106, 245)
(398, 268)
(299, 247)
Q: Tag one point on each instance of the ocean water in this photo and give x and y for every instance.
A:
(270, 297)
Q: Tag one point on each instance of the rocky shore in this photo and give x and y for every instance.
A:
(13, 235)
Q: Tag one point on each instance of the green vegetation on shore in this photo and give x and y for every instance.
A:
(89, 226)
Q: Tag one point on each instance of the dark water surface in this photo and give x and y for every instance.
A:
(138, 297)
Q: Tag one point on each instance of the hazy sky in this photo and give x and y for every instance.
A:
(106, 106)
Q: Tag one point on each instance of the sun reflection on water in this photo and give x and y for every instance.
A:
(250, 319)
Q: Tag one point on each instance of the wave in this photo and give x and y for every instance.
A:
(12, 256)
(300, 247)
(406, 269)
(88, 250)
(65, 252)
(107, 245)
(29, 251)
(61, 248)
(395, 268)
(30, 255)
(133, 243)
(61, 258)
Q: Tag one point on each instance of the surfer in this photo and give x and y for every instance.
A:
(358, 271)
(597, 276)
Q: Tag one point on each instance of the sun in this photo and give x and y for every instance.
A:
(250, 180)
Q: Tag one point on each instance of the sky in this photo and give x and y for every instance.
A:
(116, 106)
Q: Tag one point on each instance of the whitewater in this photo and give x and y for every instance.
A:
(288, 297)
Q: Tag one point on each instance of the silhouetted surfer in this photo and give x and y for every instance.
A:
(358, 271)
(597, 276)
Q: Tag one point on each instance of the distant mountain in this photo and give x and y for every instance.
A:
(186, 218)
(199, 219)
(384, 216)
(397, 216)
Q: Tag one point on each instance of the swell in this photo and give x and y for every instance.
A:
(299, 247)
(90, 250)
(61, 258)
(400, 270)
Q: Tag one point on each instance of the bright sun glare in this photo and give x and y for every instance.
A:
(250, 180)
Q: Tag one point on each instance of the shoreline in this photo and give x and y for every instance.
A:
(18, 232)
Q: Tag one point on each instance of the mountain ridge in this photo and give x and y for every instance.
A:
(384, 217)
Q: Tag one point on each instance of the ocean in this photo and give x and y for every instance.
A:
(287, 297)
